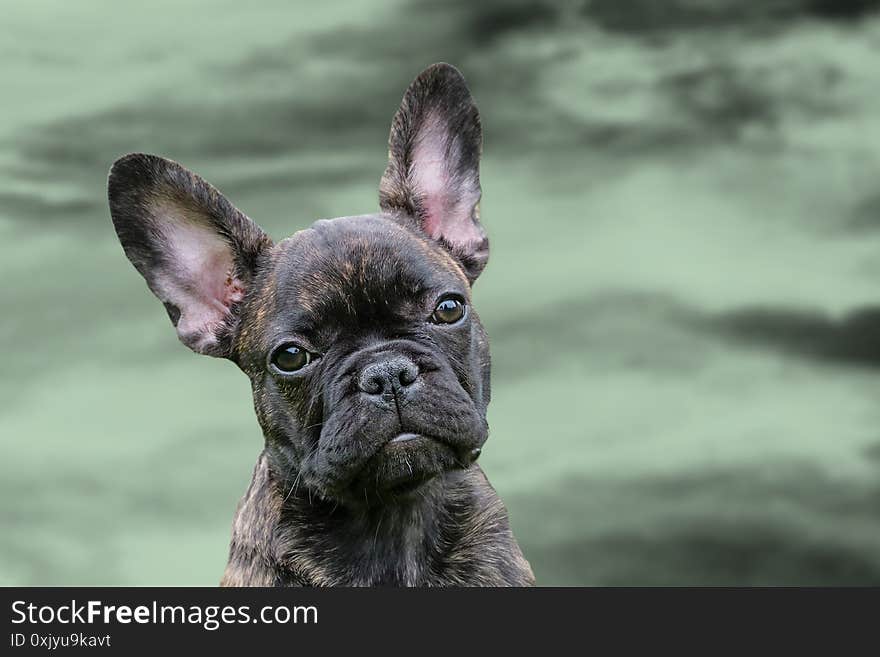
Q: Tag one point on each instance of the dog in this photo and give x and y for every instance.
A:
(368, 363)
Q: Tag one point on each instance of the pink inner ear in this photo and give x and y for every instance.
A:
(447, 200)
(198, 278)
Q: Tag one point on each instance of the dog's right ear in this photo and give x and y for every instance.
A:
(197, 252)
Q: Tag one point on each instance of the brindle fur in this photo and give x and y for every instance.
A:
(457, 535)
(318, 512)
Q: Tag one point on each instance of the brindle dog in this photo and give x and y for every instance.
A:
(369, 365)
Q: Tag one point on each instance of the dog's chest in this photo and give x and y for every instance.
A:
(394, 551)
(464, 541)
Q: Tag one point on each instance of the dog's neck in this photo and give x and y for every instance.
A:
(394, 543)
(455, 531)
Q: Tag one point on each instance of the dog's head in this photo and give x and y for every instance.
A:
(369, 366)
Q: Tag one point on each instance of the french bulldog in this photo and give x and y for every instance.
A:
(368, 362)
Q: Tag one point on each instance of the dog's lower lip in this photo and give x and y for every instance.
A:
(410, 485)
(404, 437)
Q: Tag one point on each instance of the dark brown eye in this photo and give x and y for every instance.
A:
(448, 311)
(291, 358)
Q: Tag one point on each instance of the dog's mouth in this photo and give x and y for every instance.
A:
(406, 462)
(405, 437)
(409, 441)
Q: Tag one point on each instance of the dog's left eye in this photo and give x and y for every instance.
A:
(448, 311)
(290, 358)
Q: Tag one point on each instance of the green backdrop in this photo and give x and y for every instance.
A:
(683, 295)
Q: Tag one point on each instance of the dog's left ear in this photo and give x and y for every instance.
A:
(433, 173)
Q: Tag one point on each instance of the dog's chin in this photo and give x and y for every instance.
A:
(402, 468)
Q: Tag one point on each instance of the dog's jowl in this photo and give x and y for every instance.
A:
(369, 365)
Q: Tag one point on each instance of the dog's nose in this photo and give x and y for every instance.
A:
(387, 376)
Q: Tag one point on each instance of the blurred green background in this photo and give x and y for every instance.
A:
(683, 296)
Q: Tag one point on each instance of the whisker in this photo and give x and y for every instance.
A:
(378, 525)
(295, 485)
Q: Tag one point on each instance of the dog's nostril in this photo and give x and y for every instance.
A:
(408, 375)
(372, 385)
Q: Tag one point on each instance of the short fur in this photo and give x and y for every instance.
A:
(368, 475)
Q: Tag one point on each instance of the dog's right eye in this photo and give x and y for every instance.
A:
(290, 358)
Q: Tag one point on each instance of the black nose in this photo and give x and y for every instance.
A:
(385, 376)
